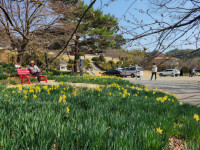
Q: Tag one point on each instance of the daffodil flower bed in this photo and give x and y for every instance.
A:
(103, 80)
(110, 117)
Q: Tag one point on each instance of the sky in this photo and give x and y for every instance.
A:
(119, 8)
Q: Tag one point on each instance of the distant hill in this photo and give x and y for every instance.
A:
(184, 53)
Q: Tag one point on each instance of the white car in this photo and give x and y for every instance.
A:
(170, 72)
(131, 71)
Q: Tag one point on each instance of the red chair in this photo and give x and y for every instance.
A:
(25, 74)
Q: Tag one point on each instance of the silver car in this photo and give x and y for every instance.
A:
(170, 72)
(131, 71)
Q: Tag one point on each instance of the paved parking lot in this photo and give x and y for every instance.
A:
(187, 88)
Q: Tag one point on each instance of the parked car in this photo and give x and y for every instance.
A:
(113, 72)
(131, 71)
(170, 72)
(197, 73)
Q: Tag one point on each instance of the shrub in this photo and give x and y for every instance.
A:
(111, 62)
(119, 62)
(81, 54)
(69, 66)
(102, 58)
(2, 76)
(7, 70)
(95, 59)
(71, 61)
(87, 64)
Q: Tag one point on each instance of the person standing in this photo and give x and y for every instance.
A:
(154, 71)
(190, 73)
(139, 74)
(136, 73)
(181, 72)
(34, 70)
(193, 72)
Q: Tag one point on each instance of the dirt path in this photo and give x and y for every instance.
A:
(52, 82)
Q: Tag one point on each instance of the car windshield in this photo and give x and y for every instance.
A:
(139, 68)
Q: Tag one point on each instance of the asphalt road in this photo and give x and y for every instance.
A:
(186, 88)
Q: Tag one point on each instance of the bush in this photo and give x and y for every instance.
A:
(53, 72)
(101, 58)
(71, 61)
(7, 70)
(81, 54)
(3, 76)
(95, 59)
(69, 66)
(87, 64)
(111, 62)
(119, 62)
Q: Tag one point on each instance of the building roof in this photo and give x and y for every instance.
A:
(165, 57)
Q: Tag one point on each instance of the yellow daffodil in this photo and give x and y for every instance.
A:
(181, 103)
(34, 96)
(196, 117)
(6, 95)
(68, 109)
(159, 130)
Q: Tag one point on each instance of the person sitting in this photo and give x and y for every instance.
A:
(34, 70)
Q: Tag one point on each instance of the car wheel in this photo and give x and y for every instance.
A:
(132, 75)
(176, 75)
(161, 75)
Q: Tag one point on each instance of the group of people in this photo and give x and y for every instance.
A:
(155, 69)
(33, 68)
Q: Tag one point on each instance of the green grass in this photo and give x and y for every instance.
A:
(106, 118)
(103, 80)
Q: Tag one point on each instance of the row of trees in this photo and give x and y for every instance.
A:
(31, 24)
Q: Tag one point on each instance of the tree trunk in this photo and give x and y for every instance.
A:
(19, 57)
(76, 54)
(21, 51)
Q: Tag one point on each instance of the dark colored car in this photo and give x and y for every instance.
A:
(113, 72)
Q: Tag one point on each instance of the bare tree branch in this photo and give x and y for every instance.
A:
(77, 26)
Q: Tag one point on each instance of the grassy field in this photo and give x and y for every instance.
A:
(112, 117)
(102, 80)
